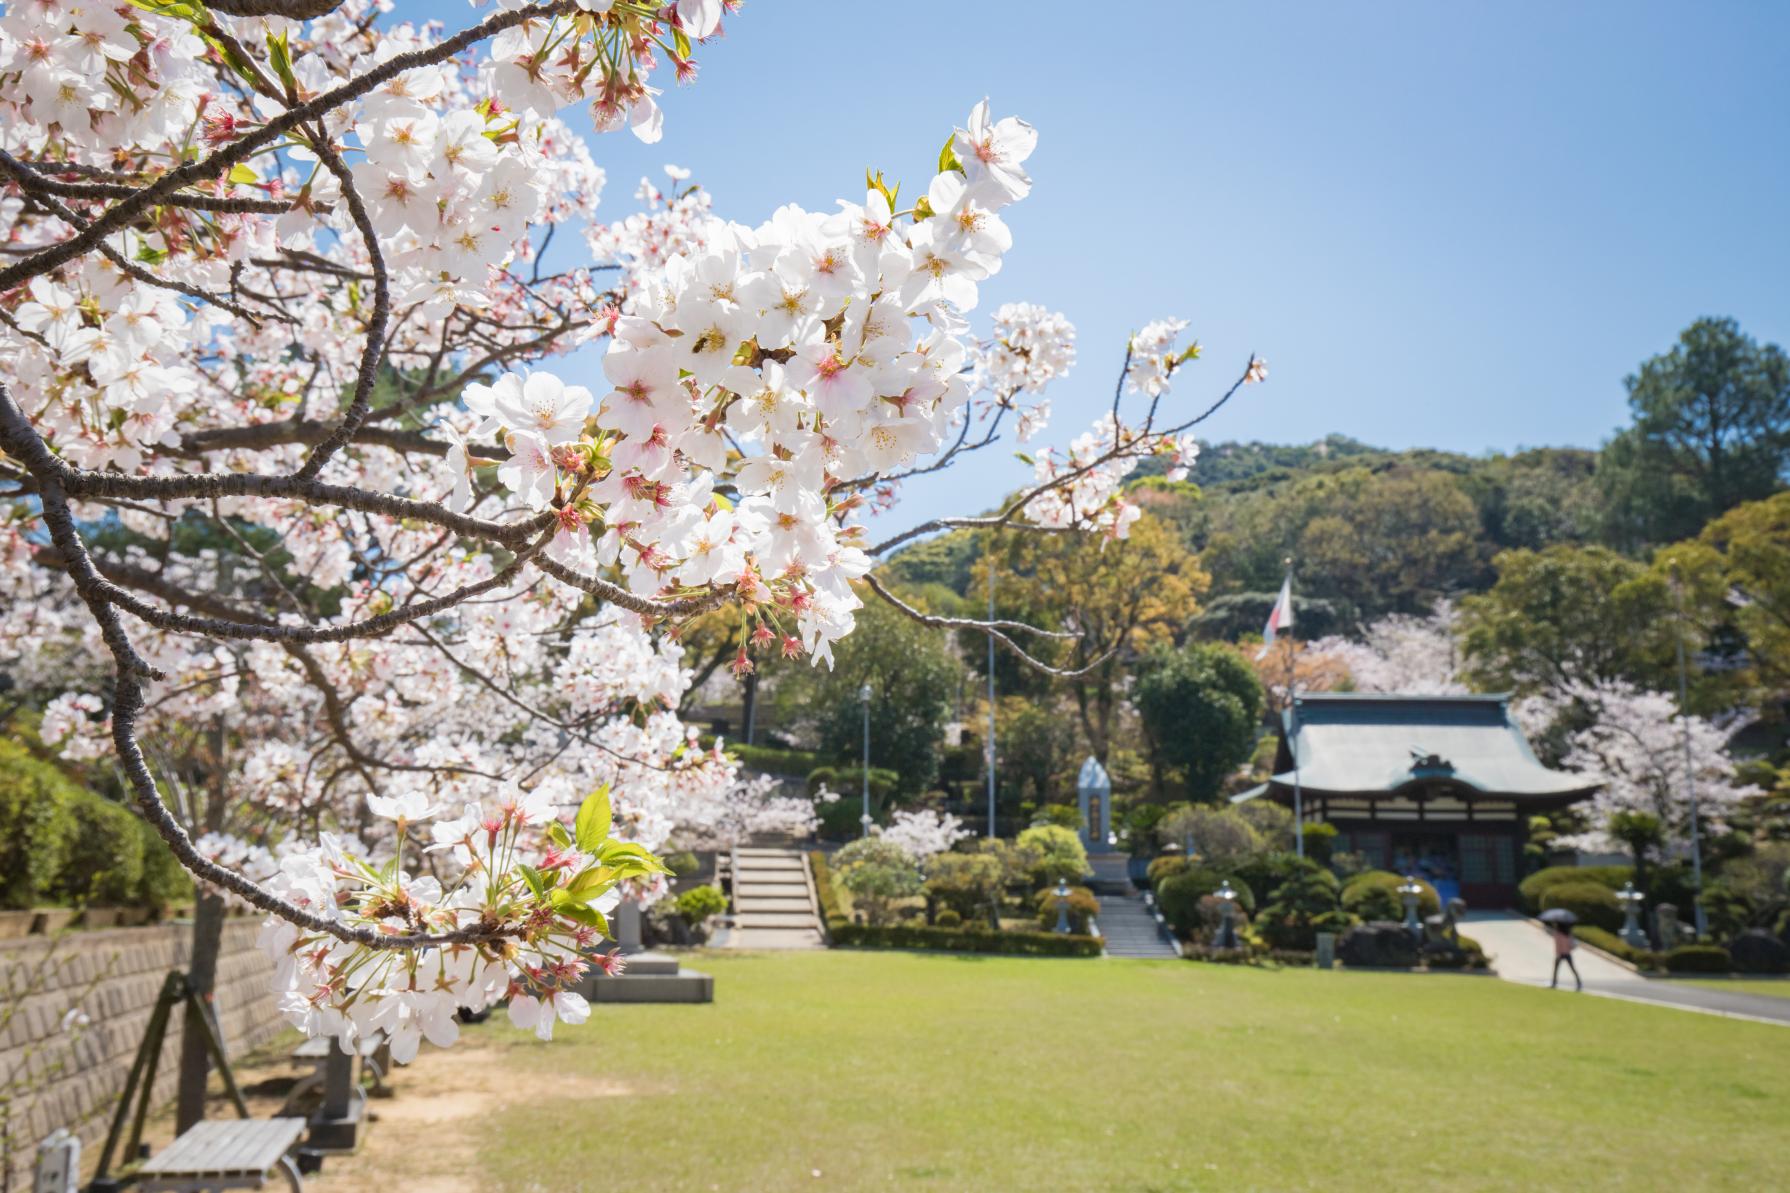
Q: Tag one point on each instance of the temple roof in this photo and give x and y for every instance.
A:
(1358, 743)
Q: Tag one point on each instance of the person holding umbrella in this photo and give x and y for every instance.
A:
(1560, 922)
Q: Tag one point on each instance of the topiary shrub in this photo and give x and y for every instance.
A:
(967, 884)
(1164, 867)
(1060, 853)
(878, 873)
(1530, 890)
(1179, 897)
(1305, 905)
(1382, 944)
(948, 919)
(1593, 903)
(1758, 951)
(699, 903)
(1264, 873)
(1373, 895)
(37, 826)
(824, 889)
(1699, 958)
(1320, 842)
(1083, 907)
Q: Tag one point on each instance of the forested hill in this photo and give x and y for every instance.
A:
(1373, 531)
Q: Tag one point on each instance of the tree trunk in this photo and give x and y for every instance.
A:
(202, 972)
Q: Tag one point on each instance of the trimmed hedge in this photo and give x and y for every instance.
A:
(1699, 958)
(1373, 895)
(1593, 903)
(823, 888)
(965, 940)
(1614, 945)
(1531, 888)
(774, 760)
(37, 827)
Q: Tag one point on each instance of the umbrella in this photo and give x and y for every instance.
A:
(1560, 916)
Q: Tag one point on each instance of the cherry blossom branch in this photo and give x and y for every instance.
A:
(992, 629)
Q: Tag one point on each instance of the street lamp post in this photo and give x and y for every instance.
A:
(1690, 778)
(864, 699)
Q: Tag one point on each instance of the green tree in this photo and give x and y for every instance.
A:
(1121, 596)
(1059, 853)
(1569, 613)
(1736, 577)
(879, 874)
(1200, 707)
(913, 682)
(1711, 430)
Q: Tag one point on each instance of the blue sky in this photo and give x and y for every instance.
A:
(1444, 225)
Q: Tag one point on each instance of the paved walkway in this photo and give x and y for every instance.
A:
(1522, 952)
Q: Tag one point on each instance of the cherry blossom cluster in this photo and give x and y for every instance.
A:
(539, 890)
(922, 832)
(296, 527)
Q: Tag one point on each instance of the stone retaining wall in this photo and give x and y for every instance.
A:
(130, 965)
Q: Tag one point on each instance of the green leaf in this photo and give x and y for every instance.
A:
(681, 43)
(150, 255)
(533, 877)
(590, 883)
(948, 155)
(242, 175)
(1022, 458)
(594, 818)
(630, 859)
(556, 833)
(923, 209)
(279, 56)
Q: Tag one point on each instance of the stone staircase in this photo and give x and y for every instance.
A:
(1126, 921)
(774, 904)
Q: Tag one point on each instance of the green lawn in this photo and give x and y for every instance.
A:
(1780, 988)
(894, 1070)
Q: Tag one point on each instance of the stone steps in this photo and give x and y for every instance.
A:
(773, 903)
(1130, 930)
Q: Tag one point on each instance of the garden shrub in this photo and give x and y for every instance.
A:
(1179, 897)
(965, 940)
(698, 903)
(1374, 896)
(1592, 902)
(1062, 815)
(840, 819)
(105, 859)
(773, 760)
(1758, 951)
(1530, 890)
(948, 919)
(165, 881)
(830, 911)
(848, 783)
(878, 873)
(1382, 944)
(1305, 905)
(967, 884)
(37, 826)
(682, 864)
(1165, 867)
(1614, 945)
(1200, 952)
(1699, 958)
(1083, 906)
(1061, 854)
(1265, 872)
(1320, 842)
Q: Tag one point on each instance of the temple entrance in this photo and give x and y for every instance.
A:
(1431, 856)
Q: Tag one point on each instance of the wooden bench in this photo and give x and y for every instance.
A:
(233, 1154)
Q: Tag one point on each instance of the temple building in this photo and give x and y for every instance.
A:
(1437, 786)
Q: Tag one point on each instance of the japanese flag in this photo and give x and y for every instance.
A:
(1280, 618)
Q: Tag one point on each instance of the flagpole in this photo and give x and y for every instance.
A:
(1293, 719)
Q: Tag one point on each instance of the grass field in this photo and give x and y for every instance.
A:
(849, 1070)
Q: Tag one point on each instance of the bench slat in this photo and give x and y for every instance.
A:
(238, 1147)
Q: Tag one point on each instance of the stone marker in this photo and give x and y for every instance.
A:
(1326, 950)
